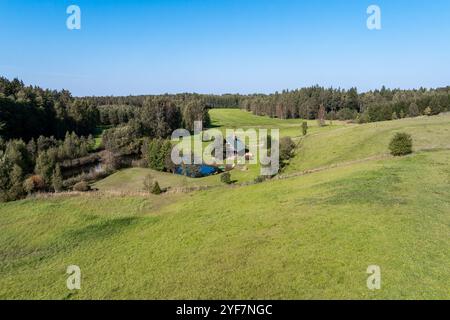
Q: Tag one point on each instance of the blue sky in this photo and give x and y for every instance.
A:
(221, 46)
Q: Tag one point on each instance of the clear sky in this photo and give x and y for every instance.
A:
(220, 46)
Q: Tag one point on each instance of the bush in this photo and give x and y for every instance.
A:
(151, 185)
(33, 184)
(260, 179)
(401, 144)
(363, 117)
(347, 114)
(82, 186)
(287, 147)
(305, 128)
(225, 178)
(156, 189)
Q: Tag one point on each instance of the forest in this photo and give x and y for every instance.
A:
(371, 106)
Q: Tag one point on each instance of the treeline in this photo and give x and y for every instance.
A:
(28, 112)
(209, 100)
(377, 105)
(155, 109)
(31, 167)
(157, 118)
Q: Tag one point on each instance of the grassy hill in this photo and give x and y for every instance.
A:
(308, 236)
(132, 179)
(354, 142)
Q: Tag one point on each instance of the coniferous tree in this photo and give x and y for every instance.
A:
(57, 179)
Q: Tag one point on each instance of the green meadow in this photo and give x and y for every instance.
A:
(342, 204)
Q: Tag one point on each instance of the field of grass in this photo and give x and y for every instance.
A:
(364, 141)
(132, 179)
(310, 236)
(240, 119)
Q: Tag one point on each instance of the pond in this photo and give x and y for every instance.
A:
(96, 167)
(197, 171)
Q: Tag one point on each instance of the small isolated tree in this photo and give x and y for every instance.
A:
(305, 128)
(321, 116)
(156, 189)
(401, 144)
(287, 147)
(225, 178)
(427, 111)
(82, 186)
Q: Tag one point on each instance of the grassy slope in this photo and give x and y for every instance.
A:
(132, 179)
(358, 142)
(305, 237)
(235, 119)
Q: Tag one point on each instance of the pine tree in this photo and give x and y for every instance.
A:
(16, 190)
(44, 167)
(57, 179)
(156, 189)
(168, 164)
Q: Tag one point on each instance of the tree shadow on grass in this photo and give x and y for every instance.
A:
(100, 230)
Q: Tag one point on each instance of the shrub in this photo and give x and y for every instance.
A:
(82, 186)
(156, 189)
(305, 128)
(151, 185)
(260, 179)
(347, 114)
(427, 111)
(363, 117)
(33, 184)
(225, 178)
(287, 147)
(401, 144)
